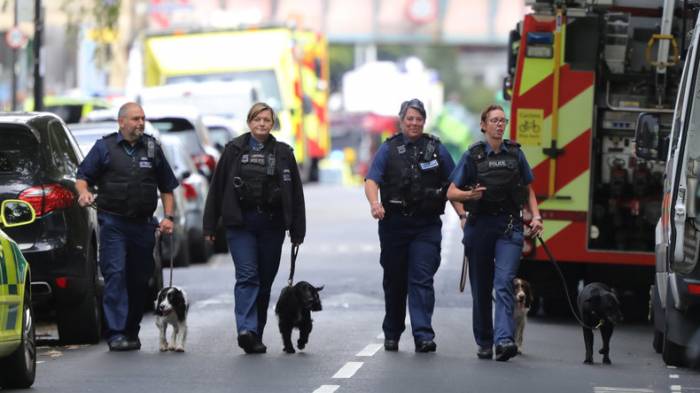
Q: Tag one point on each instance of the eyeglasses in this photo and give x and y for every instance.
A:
(497, 120)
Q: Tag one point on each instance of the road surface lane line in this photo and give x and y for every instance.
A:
(370, 350)
(348, 370)
(326, 389)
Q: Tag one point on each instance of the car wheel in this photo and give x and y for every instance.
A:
(82, 323)
(182, 259)
(673, 354)
(658, 343)
(19, 368)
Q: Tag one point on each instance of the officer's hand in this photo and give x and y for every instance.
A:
(377, 210)
(476, 193)
(210, 238)
(536, 228)
(166, 226)
(86, 199)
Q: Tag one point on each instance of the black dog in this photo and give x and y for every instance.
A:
(599, 308)
(293, 310)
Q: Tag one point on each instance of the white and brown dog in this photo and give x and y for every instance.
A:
(523, 299)
(171, 307)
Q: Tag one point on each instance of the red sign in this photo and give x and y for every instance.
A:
(14, 38)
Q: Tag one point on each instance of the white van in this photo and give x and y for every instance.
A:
(675, 297)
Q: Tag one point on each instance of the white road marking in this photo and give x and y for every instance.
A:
(369, 350)
(348, 370)
(673, 376)
(327, 389)
(676, 388)
(608, 389)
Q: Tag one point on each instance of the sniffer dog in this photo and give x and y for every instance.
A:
(523, 300)
(599, 308)
(171, 308)
(293, 310)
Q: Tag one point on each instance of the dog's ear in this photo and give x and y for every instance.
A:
(319, 289)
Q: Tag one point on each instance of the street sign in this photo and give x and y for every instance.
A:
(14, 38)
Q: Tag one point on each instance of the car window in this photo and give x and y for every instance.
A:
(19, 152)
(61, 153)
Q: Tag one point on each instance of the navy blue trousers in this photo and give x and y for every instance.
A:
(494, 257)
(410, 257)
(126, 262)
(256, 248)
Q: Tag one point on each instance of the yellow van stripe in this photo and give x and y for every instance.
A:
(577, 190)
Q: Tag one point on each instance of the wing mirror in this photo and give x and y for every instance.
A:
(651, 143)
(15, 212)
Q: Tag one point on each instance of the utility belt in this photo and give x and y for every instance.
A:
(513, 219)
(398, 207)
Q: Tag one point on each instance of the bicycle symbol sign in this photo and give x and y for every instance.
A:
(530, 127)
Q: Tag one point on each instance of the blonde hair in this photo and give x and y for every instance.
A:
(257, 108)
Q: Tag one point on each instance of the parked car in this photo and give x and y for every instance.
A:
(38, 163)
(223, 129)
(87, 134)
(196, 188)
(186, 123)
(17, 338)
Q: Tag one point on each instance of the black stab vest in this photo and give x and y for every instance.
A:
(129, 186)
(259, 186)
(413, 180)
(500, 174)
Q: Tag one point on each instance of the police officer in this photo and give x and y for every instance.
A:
(256, 190)
(128, 167)
(411, 170)
(492, 179)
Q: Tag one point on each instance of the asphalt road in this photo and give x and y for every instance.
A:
(345, 352)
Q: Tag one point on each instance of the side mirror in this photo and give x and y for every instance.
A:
(15, 212)
(649, 144)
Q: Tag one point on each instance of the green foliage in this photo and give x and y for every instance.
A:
(341, 60)
(104, 15)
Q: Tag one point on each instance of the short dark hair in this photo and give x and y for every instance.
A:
(415, 104)
(485, 113)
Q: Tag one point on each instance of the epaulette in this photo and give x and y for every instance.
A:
(149, 136)
(432, 137)
(396, 135)
(509, 142)
(477, 151)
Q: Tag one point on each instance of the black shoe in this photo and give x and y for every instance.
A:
(426, 346)
(484, 352)
(391, 345)
(506, 351)
(134, 344)
(119, 343)
(250, 343)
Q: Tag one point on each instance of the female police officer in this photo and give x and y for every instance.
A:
(496, 176)
(256, 190)
(411, 169)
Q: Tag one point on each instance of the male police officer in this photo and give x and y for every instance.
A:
(127, 167)
(498, 177)
(411, 170)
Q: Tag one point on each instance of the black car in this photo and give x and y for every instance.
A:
(38, 163)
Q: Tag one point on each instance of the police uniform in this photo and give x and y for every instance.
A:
(412, 178)
(127, 179)
(493, 236)
(256, 191)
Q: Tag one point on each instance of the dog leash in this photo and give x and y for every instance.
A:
(295, 252)
(172, 245)
(566, 289)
